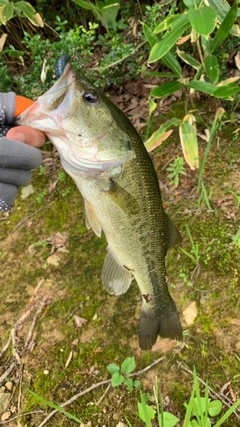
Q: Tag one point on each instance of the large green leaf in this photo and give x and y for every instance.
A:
(25, 8)
(226, 91)
(201, 86)
(192, 3)
(85, 4)
(224, 28)
(169, 39)
(109, 14)
(212, 68)
(166, 89)
(171, 61)
(3, 2)
(166, 24)
(202, 20)
(222, 8)
(151, 38)
(6, 12)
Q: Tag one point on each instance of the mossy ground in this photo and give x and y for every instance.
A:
(65, 358)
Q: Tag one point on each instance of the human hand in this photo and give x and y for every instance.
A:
(16, 158)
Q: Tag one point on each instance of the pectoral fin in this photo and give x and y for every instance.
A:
(126, 202)
(91, 219)
(116, 279)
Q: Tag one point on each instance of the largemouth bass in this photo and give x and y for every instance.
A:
(103, 153)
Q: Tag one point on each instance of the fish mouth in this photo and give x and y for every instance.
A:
(37, 116)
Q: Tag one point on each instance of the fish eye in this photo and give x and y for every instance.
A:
(90, 97)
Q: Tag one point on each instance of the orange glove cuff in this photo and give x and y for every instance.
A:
(22, 104)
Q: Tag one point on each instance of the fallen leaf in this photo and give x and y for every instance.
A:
(53, 260)
(27, 191)
(190, 313)
(80, 321)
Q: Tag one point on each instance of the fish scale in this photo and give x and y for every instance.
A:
(103, 153)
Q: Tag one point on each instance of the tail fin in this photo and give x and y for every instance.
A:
(152, 323)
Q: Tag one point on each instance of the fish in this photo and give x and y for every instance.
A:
(106, 157)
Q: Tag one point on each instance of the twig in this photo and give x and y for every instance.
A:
(119, 60)
(7, 372)
(25, 219)
(224, 399)
(21, 415)
(6, 346)
(104, 394)
(93, 387)
(72, 399)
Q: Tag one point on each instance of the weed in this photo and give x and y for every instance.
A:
(120, 374)
(194, 252)
(175, 169)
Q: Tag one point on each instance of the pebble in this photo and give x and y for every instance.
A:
(6, 416)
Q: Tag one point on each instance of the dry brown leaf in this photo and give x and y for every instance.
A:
(190, 313)
(80, 321)
(53, 260)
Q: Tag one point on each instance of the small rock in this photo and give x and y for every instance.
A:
(9, 385)
(6, 416)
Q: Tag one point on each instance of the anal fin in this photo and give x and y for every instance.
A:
(116, 279)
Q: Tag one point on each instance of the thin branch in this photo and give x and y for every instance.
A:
(93, 387)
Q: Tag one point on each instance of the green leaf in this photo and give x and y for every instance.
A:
(145, 412)
(169, 419)
(214, 408)
(129, 383)
(166, 89)
(52, 405)
(166, 24)
(226, 91)
(112, 367)
(204, 87)
(170, 60)
(128, 365)
(221, 8)
(117, 379)
(25, 8)
(189, 142)
(188, 59)
(159, 134)
(3, 2)
(193, 4)
(224, 28)
(169, 39)
(151, 38)
(85, 4)
(202, 20)
(6, 13)
(137, 384)
(212, 68)
(228, 413)
(109, 14)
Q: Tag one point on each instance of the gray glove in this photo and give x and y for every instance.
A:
(16, 158)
